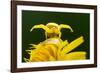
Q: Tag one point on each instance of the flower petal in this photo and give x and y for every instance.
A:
(52, 50)
(72, 45)
(42, 54)
(75, 56)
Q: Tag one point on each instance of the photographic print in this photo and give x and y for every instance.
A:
(50, 36)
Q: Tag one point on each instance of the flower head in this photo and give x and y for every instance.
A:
(54, 48)
(57, 50)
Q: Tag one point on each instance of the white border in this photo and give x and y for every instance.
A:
(54, 63)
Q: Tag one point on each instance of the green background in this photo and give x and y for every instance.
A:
(78, 21)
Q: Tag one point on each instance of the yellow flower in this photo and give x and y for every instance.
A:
(54, 49)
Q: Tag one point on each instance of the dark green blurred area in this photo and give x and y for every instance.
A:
(78, 21)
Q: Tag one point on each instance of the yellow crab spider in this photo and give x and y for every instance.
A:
(52, 29)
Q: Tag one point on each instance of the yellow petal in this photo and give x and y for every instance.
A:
(40, 57)
(35, 59)
(75, 56)
(33, 45)
(51, 58)
(26, 60)
(64, 43)
(52, 50)
(72, 45)
(37, 54)
(61, 45)
(43, 53)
